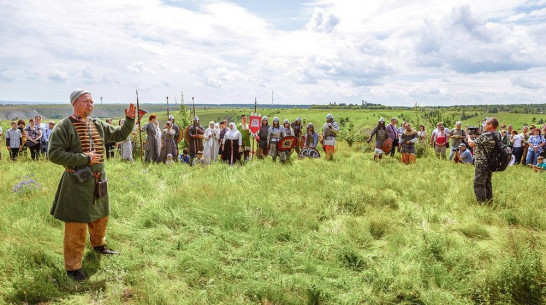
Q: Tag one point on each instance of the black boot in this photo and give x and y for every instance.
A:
(76, 275)
(104, 250)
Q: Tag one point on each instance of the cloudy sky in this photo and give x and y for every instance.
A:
(392, 52)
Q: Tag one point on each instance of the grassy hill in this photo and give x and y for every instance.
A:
(349, 231)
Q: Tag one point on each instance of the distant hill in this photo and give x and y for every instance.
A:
(56, 111)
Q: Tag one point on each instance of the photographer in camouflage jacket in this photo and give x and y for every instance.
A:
(483, 146)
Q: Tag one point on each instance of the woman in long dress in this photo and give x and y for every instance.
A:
(232, 144)
(168, 146)
(152, 153)
(158, 140)
(210, 150)
(126, 146)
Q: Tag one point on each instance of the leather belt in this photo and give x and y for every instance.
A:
(96, 175)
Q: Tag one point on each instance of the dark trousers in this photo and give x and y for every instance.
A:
(517, 152)
(35, 152)
(483, 188)
(394, 147)
(109, 149)
(13, 153)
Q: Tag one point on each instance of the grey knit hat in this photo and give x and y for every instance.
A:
(76, 94)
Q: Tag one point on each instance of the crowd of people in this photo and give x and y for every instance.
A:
(231, 143)
(526, 147)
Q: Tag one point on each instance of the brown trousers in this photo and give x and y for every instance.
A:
(74, 240)
(408, 158)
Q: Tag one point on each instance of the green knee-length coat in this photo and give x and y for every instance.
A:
(74, 201)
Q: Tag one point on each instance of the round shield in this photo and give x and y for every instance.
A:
(287, 143)
(387, 145)
(309, 152)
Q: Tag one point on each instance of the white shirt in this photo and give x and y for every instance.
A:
(517, 141)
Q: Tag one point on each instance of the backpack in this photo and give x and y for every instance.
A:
(500, 156)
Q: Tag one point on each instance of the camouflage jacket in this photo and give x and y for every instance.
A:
(484, 146)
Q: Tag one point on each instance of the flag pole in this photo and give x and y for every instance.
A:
(255, 139)
(139, 126)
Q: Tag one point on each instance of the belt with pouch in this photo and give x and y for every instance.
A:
(73, 170)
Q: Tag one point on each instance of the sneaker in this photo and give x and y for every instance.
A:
(76, 275)
(105, 251)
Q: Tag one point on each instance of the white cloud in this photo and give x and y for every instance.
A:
(392, 52)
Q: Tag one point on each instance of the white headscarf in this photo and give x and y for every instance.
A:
(232, 134)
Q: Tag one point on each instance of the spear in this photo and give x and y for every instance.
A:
(167, 107)
(255, 139)
(139, 127)
(194, 127)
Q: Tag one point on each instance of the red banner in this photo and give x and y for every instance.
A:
(255, 124)
(141, 113)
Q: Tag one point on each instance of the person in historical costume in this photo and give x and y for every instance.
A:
(223, 129)
(380, 132)
(287, 131)
(81, 200)
(262, 138)
(196, 132)
(152, 149)
(126, 146)
(483, 146)
(245, 134)
(311, 137)
(407, 140)
(211, 136)
(177, 135)
(232, 144)
(298, 132)
(168, 144)
(329, 134)
(275, 133)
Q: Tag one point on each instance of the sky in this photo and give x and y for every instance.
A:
(389, 52)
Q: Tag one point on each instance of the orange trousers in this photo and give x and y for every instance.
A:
(408, 158)
(74, 240)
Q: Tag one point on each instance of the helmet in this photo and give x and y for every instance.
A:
(264, 118)
(286, 121)
(275, 119)
(298, 119)
(196, 118)
(329, 116)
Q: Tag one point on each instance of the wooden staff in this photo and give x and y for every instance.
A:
(139, 126)
(167, 108)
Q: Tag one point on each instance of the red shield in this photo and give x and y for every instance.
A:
(387, 145)
(255, 123)
(287, 143)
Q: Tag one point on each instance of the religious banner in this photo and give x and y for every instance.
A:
(255, 123)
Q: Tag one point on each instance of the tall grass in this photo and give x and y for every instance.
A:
(349, 231)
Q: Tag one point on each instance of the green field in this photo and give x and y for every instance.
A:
(349, 231)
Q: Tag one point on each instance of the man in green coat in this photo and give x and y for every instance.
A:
(81, 202)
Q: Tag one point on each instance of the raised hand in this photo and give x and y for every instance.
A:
(131, 113)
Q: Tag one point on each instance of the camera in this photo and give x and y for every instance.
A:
(83, 174)
(474, 131)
